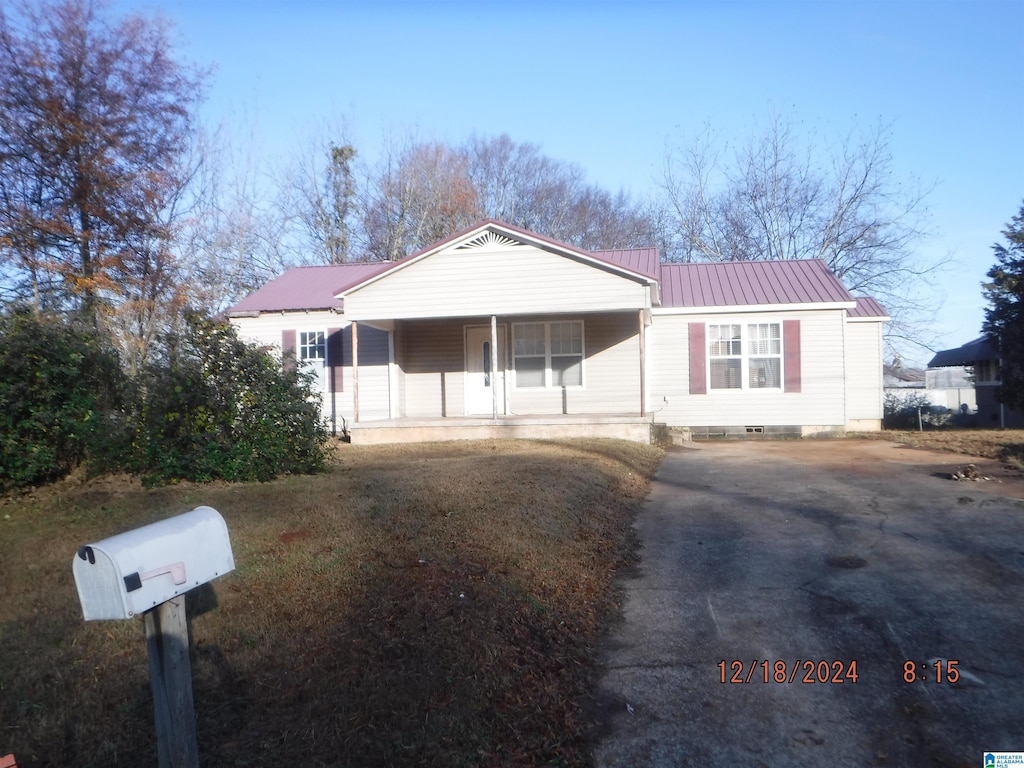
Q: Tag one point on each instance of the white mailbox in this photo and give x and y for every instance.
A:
(137, 570)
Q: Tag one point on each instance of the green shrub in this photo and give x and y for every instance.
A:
(60, 389)
(212, 407)
(217, 408)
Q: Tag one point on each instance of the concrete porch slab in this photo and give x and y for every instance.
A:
(623, 427)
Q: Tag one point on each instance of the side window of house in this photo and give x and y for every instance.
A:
(986, 372)
(530, 354)
(548, 354)
(313, 354)
(725, 347)
(764, 341)
(567, 354)
(745, 356)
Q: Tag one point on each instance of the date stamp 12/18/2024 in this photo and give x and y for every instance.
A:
(781, 671)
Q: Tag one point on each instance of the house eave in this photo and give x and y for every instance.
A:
(744, 309)
(501, 314)
(875, 319)
(253, 313)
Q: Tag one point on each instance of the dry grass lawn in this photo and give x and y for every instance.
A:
(417, 605)
(1006, 445)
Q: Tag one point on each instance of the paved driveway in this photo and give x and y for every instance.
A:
(834, 552)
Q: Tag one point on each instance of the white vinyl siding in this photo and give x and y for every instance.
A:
(374, 383)
(520, 280)
(864, 374)
(374, 374)
(821, 401)
(431, 355)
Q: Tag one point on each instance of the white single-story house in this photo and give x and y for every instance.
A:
(500, 331)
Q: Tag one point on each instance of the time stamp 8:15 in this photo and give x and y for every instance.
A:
(829, 671)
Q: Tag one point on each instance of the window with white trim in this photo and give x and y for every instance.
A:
(548, 354)
(745, 356)
(313, 354)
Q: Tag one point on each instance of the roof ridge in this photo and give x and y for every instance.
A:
(732, 262)
(345, 264)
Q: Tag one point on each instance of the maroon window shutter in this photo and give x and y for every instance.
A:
(698, 360)
(288, 349)
(791, 354)
(335, 358)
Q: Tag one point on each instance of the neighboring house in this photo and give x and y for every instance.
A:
(498, 330)
(980, 357)
(952, 388)
(897, 377)
(948, 388)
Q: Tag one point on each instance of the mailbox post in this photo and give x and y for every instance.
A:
(147, 571)
(170, 672)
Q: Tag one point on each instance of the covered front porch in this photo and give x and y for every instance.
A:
(552, 427)
(470, 370)
(499, 332)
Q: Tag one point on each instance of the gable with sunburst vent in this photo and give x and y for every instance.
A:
(488, 241)
(493, 271)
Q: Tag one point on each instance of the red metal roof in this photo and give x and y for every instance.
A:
(746, 283)
(725, 284)
(307, 288)
(646, 261)
(867, 307)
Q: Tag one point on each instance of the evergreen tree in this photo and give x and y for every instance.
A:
(1004, 318)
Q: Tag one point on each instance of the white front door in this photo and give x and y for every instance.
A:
(479, 377)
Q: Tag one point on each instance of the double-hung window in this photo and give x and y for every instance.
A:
(725, 353)
(313, 354)
(548, 354)
(745, 356)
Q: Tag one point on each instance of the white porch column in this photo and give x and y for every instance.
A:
(494, 366)
(355, 371)
(643, 364)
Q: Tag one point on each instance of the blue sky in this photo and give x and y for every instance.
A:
(607, 84)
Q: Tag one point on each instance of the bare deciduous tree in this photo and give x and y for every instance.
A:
(318, 192)
(418, 194)
(778, 198)
(241, 236)
(421, 192)
(516, 183)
